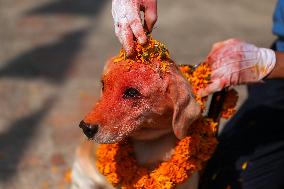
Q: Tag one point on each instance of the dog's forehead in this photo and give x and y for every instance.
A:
(134, 72)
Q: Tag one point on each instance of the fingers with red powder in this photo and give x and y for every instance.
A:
(127, 20)
(151, 15)
(125, 37)
(235, 62)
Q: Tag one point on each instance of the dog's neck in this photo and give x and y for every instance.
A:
(150, 153)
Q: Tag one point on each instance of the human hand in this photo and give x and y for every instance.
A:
(236, 62)
(127, 20)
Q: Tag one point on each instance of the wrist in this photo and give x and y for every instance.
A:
(266, 62)
(278, 71)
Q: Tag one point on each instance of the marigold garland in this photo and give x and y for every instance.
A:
(117, 161)
(230, 103)
(199, 79)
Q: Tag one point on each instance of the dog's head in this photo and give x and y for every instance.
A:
(141, 101)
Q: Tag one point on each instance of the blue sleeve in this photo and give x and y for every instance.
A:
(278, 25)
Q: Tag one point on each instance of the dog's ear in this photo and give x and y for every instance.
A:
(186, 109)
(108, 65)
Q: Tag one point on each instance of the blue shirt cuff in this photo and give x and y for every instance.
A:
(280, 45)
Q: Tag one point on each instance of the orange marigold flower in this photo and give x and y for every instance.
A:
(147, 53)
(229, 104)
(199, 78)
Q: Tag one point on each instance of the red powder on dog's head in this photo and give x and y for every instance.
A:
(129, 97)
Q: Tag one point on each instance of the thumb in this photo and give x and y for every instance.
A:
(151, 14)
(215, 86)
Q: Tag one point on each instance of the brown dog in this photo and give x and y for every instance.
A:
(151, 106)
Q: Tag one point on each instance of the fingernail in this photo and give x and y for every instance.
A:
(201, 93)
(128, 52)
(142, 40)
(128, 49)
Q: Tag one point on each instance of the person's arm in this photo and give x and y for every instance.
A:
(235, 62)
(278, 71)
(127, 20)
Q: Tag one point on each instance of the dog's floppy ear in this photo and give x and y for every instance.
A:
(186, 109)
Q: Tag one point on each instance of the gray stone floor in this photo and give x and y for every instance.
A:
(51, 56)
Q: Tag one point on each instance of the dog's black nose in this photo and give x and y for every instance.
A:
(89, 129)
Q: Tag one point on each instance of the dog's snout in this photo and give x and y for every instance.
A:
(89, 129)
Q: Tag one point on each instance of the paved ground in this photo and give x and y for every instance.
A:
(51, 56)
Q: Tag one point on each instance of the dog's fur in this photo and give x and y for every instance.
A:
(154, 118)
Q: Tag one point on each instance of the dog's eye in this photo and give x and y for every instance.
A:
(131, 93)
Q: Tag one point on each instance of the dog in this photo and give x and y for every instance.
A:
(151, 106)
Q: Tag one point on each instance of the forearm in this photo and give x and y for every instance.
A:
(278, 71)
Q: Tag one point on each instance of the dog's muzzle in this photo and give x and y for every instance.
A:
(89, 129)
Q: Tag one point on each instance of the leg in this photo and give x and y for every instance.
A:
(84, 173)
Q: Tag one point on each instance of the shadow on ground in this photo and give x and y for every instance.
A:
(74, 7)
(17, 139)
(50, 62)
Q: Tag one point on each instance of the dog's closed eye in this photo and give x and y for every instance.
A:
(131, 93)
